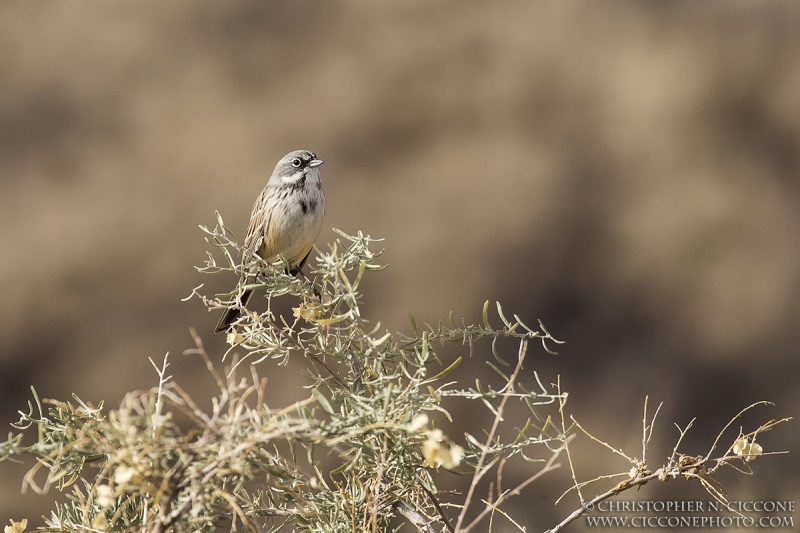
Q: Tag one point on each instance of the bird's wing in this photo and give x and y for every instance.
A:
(257, 227)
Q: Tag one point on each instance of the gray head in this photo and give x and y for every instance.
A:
(296, 167)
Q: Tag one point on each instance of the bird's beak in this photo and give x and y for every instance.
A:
(315, 163)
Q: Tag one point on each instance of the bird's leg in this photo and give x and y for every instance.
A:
(300, 272)
(314, 288)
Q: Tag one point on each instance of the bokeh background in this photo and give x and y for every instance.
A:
(626, 172)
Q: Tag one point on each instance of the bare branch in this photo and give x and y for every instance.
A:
(479, 469)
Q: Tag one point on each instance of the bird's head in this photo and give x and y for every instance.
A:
(295, 166)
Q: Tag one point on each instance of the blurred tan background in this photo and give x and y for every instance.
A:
(625, 171)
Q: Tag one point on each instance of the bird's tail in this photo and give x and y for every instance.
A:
(232, 314)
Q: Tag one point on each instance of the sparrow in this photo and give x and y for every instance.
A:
(286, 219)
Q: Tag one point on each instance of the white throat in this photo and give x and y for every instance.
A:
(292, 179)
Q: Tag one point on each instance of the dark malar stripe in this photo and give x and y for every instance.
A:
(298, 185)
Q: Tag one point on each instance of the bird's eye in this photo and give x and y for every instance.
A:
(296, 162)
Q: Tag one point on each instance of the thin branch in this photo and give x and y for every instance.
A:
(678, 465)
(653, 423)
(644, 430)
(549, 466)
(479, 471)
(439, 509)
(680, 438)
(561, 403)
(582, 484)
(732, 420)
(589, 505)
(494, 509)
(162, 379)
(607, 445)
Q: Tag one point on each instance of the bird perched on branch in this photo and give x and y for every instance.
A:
(286, 219)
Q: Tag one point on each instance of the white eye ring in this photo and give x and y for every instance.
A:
(296, 162)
